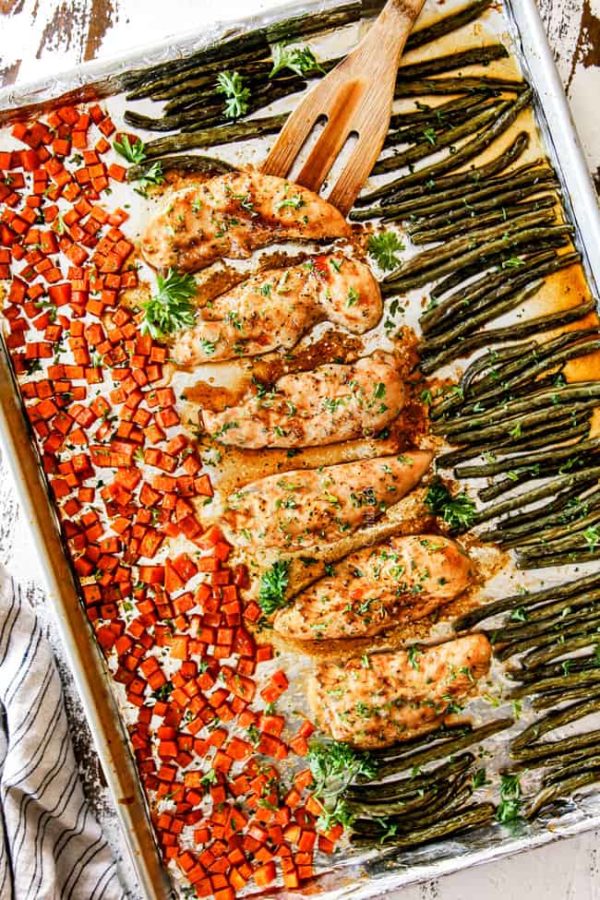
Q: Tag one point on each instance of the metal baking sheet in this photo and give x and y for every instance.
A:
(347, 878)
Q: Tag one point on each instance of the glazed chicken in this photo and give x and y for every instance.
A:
(274, 309)
(402, 579)
(330, 404)
(308, 506)
(400, 694)
(232, 215)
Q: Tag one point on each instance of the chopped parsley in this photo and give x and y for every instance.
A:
(384, 248)
(237, 97)
(509, 807)
(300, 60)
(457, 511)
(170, 308)
(273, 586)
(134, 152)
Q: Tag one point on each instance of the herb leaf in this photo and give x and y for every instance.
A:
(300, 60)
(150, 176)
(383, 248)
(457, 511)
(509, 807)
(170, 308)
(334, 765)
(273, 586)
(133, 152)
(237, 97)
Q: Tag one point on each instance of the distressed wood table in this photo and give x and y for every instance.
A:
(38, 37)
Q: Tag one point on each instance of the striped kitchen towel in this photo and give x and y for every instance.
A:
(51, 847)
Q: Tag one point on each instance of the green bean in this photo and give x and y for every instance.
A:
(538, 641)
(429, 259)
(437, 235)
(204, 165)
(555, 719)
(440, 186)
(496, 191)
(408, 132)
(456, 798)
(551, 670)
(520, 420)
(492, 310)
(475, 56)
(549, 701)
(548, 610)
(571, 558)
(573, 525)
(532, 363)
(521, 523)
(194, 107)
(469, 380)
(491, 287)
(573, 642)
(555, 455)
(425, 148)
(211, 137)
(523, 329)
(541, 436)
(547, 751)
(391, 807)
(454, 160)
(560, 759)
(420, 758)
(574, 768)
(472, 817)
(440, 114)
(404, 787)
(538, 542)
(562, 591)
(228, 53)
(463, 84)
(571, 617)
(447, 24)
(562, 789)
(402, 748)
(481, 252)
(581, 390)
(557, 683)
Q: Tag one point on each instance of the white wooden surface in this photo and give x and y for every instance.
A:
(41, 36)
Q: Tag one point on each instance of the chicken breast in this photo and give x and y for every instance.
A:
(330, 404)
(402, 579)
(399, 695)
(232, 215)
(308, 506)
(274, 309)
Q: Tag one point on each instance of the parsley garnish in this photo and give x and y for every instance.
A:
(383, 248)
(237, 97)
(592, 537)
(133, 152)
(170, 308)
(300, 60)
(150, 176)
(509, 807)
(430, 135)
(294, 202)
(273, 586)
(334, 765)
(457, 511)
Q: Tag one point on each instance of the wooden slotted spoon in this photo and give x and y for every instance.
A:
(354, 98)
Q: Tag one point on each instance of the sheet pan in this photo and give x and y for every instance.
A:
(90, 672)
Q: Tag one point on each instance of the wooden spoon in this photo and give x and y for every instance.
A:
(354, 98)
